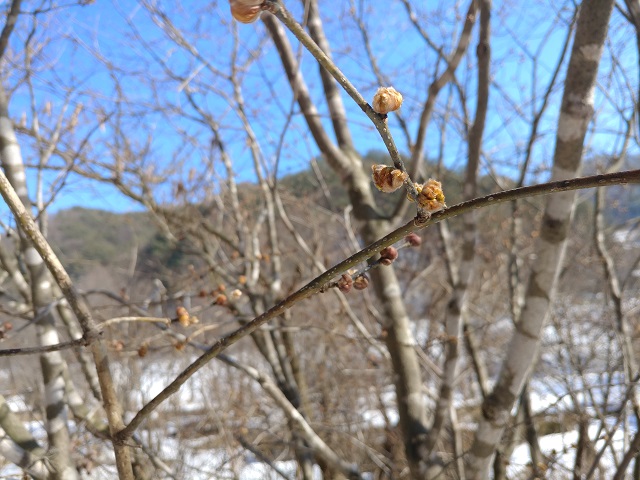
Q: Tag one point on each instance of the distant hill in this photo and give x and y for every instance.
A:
(83, 237)
(86, 237)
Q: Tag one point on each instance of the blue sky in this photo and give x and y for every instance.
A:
(79, 43)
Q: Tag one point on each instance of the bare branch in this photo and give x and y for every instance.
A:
(10, 23)
(318, 283)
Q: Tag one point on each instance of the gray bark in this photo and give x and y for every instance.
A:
(347, 164)
(457, 306)
(18, 445)
(52, 363)
(575, 114)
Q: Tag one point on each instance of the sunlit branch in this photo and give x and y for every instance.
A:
(318, 283)
(380, 121)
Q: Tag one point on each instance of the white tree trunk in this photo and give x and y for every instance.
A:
(575, 114)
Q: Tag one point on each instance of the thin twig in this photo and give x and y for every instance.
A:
(380, 121)
(111, 321)
(9, 352)
(28, 225)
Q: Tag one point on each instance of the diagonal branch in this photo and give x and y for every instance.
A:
(12, 18)
(438, 84)
(277, 8)
(318, 283)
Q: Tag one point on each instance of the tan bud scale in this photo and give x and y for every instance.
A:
(386, 99)
(431, 196)
(387, 179)
(361, 282)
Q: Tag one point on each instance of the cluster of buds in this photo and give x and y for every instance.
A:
(184, 317)
(346, 282)
(387, 256)
(246, 11)
(387, 179)
(386, 99)
(219, 294)
(430, 196)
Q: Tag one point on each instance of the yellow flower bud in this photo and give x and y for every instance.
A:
(386, 99)
(183, 316)
(431, 196)
(388, 179)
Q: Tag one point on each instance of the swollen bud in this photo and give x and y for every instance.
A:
(246, 11)
(361, 282)
(221, 299)
(430, 196)
(386, 99)
(413, 239)
(345, 283)
(183, 316)
(387, 179)
(388, 255)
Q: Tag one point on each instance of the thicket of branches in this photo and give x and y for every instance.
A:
(359, 330)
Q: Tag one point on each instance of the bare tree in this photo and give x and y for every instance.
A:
(343, 380)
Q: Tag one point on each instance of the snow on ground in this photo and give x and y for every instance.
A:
(197, 464)
(561, 448)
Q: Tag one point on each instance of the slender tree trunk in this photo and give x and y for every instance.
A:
(52, 363)
(457, 307)
(576, 112)
(41, 290)
(347, 164)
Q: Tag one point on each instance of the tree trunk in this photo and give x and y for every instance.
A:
(576, 112)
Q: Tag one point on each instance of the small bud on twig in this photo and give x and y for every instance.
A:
(413, 239)
(143, 350)
(361, 282)
(388, 255)
(388, 179)
(386, 99)
(236, 294)
(246, 11)
(345, 283)
(183, 316)
(221, 299)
